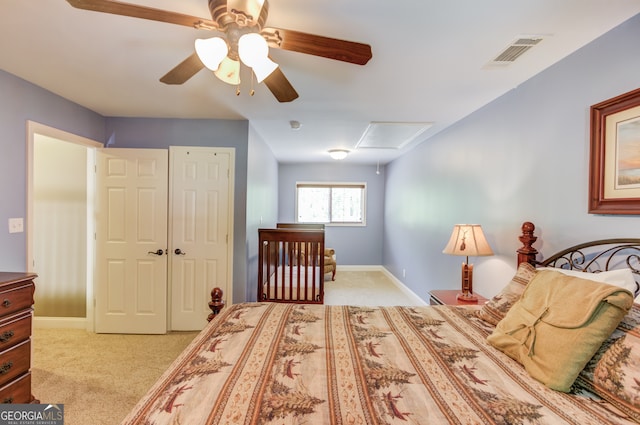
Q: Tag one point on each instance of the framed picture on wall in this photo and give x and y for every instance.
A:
(614, 168)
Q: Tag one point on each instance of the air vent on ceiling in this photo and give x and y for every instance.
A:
(391, 135)
(515, 49)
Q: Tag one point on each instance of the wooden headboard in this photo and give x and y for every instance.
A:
(593, 257)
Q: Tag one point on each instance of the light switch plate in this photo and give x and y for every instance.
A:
(16, 225)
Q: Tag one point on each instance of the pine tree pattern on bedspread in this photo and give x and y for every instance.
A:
(271, 363)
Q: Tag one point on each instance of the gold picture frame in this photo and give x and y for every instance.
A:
(614, 164)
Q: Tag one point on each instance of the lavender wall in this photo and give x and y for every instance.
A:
(524, 157)
(22, 101)
(354, 245)
(262, 203)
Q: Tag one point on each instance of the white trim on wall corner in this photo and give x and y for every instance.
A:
(404, 288)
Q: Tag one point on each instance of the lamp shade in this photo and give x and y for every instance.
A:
(468, 240)
(211, 51)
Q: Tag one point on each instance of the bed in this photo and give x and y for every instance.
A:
(290, 363)
(291, 263)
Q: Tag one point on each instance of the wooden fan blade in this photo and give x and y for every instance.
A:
(183, 71)
(280, 86)
(317, 45)
(143, 12)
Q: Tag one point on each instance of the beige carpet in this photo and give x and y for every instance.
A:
(365, 288)
(100, 377)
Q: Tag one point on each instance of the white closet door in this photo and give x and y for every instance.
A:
(200, 231)
(131, 239)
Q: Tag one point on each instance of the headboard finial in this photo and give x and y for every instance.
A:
(527, 253)
(216, 304)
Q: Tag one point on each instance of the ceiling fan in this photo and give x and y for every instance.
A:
(242, 24)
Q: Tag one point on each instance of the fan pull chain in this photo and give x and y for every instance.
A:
(238, 90)
(252, 92)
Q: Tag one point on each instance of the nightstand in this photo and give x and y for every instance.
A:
(448, 297)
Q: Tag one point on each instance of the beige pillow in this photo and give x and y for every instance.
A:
(495, 309)
(558, 324)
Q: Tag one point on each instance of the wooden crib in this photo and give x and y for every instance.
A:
(291, 264)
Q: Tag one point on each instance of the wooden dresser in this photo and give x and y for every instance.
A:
(16, 312)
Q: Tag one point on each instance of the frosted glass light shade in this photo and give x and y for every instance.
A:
(264, 68)
(211, 51)
(229, 71)
(252, 49)
(254, 52)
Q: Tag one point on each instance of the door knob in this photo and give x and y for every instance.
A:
(178, 251)
(158, 252)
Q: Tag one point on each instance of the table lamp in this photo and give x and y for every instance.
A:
(467, 240)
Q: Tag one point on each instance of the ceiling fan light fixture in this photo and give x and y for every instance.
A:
(229, 71)
(264, 68)
(254, 52)
(338, 154)
(211, 51)
(252, 49)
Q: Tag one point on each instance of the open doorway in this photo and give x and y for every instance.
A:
(60, 222)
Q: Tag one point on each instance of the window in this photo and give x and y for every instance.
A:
(331, 203)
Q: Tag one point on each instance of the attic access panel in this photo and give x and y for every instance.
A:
(391, 135)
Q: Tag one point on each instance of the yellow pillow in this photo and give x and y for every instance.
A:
(558, 324)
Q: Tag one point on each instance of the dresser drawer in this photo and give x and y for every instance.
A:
(14, 329)
(16, 298)
(15, 361)
(18, 391)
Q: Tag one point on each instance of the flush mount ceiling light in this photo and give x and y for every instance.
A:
(338, 153)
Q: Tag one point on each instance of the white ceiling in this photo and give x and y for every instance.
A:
(429, 63)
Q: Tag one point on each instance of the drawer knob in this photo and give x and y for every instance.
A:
(5, 368)
(6, 302)
(6, 336)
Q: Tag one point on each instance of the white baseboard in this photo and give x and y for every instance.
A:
(401, 286)
(60, 322)
(360, 268)
(404, 288)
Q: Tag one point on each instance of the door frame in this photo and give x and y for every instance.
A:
(228, 292)
(34, 128)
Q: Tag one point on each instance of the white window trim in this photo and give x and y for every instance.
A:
(363, 185)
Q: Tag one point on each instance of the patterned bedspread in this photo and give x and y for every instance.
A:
(270, 363)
